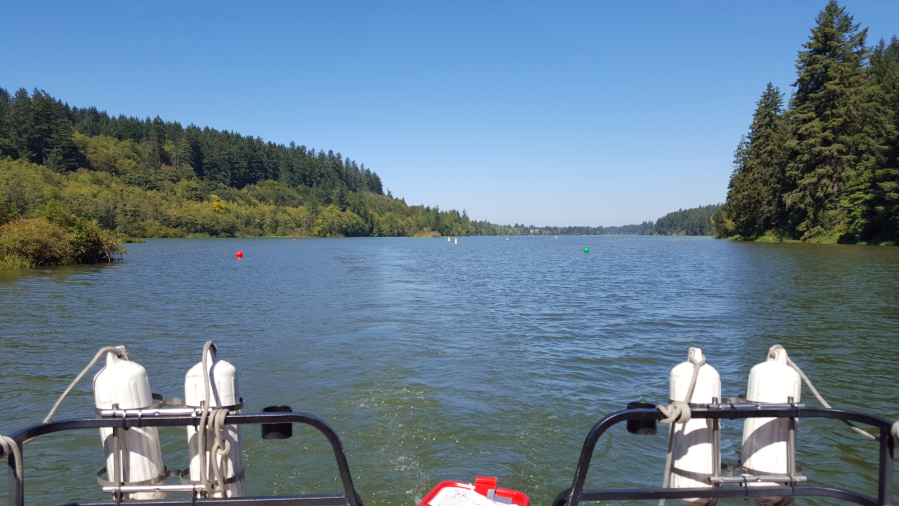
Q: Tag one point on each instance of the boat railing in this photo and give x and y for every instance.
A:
(174, 418)
(723, 486)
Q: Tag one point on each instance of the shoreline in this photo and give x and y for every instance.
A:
(832, 239)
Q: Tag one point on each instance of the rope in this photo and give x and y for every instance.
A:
(675, 413)
(214, 419)
(9, 447)
(103, 351)
(221, 449)
(808, 382)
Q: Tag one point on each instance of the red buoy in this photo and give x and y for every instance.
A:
(294, 240)
(240, 254)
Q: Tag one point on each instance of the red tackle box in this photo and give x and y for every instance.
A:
(455, 493)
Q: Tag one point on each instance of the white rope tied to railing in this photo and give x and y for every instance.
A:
(103, 351)
(212, 419)
(675, 413)
(808, 382)
(9, 447)
(100, 354)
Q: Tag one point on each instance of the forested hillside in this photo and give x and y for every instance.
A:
(641, 229)
(153, 178)
(825, 166)
(40, 129)
(695, 221)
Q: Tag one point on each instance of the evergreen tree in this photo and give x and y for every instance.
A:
(754, 194)
(194, 149)
(63, 155)
(863, 197)
(6, 145)
(826, 122)
(874, 200)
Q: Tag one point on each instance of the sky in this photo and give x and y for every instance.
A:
(553, 113)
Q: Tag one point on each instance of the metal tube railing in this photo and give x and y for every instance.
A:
(161, 418)
(570, 497)
(576, 493)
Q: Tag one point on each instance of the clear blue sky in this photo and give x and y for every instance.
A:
(563, 113)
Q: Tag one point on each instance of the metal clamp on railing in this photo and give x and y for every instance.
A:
(746, 476)
(137, 489)
(767, 478)
(165, 407)
(751, 406)
(156, 484)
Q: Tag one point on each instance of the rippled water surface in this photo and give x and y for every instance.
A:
(436, 361)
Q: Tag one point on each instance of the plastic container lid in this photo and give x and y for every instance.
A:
(483, 493)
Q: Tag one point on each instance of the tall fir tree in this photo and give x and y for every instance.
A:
(754, 202)
(826, 122)
(6, 143)
(878, 175)
(864, 198)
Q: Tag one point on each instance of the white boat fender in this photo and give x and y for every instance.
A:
(219, 465)
(693, 444)
(133, 455)
(768, 443)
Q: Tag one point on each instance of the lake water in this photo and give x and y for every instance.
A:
(436, 361)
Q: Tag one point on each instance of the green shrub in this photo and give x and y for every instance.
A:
(334, 223)
(91, 244)
(7, 212)
(35, 241)
(56, 236)
(13, 262)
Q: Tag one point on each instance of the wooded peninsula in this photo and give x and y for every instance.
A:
(825, 167)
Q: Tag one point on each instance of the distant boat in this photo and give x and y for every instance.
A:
(507, 238)
(447, 239)
(457, 240)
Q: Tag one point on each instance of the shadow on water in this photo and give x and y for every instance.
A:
(60, 272)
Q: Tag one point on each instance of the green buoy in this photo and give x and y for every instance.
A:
(586, 250)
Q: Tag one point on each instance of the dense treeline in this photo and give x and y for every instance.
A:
(40, 129)
(826, 166)
(151, 178)
(202, 208)
(641, 229)
(695, 221)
